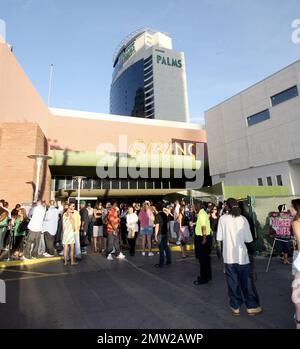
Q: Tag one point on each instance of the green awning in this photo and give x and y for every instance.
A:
(104, 159)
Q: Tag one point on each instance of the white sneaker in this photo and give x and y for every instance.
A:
(46, 255)
(120, 256)
(110, 257)
(150, 254)
(23, 258)
(143, 253)
(178, 242)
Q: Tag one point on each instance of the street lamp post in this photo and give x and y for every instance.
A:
(79, 179)
(39, 158)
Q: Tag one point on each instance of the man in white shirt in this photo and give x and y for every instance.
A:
(50, 228)
(234, 232)
(35, 231)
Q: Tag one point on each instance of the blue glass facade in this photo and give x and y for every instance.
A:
(127, 94)
(132, 93)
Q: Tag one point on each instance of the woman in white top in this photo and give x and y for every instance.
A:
(132, 229)
(234, 232)
(295, 211)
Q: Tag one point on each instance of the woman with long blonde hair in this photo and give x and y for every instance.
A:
(146, 218)
(69, 230)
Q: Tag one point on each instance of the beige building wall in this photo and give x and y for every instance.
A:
(19, 100)
(24, 120)
(85, 134)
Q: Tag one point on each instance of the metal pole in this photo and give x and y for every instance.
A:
(50, 84)
(37, 182)
(78, 194)
(271, 254)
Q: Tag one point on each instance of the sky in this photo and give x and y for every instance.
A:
(228, 44)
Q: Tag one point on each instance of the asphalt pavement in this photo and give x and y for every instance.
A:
(132, 293)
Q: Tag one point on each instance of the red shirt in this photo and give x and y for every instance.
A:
(113, 220)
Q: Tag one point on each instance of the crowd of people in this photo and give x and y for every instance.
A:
(46, 230)
(60, 229)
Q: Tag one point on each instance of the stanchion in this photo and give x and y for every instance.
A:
(272, 250)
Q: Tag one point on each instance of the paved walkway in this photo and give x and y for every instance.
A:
(133, 294)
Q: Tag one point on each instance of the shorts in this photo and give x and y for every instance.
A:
(97, 231)
(147, 230)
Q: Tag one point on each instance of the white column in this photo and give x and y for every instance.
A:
(37, 182)
(78, 193)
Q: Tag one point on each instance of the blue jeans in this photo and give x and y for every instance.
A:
(89, 233)
(239, 281)
(113, 242)
(163, 249)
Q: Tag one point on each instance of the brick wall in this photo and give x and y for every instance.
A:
(17, 171)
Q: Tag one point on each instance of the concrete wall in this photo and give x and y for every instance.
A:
(295, 178)
(250, 176)
(234, 146)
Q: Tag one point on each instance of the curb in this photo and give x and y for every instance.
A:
(172, 248)
(4, 264)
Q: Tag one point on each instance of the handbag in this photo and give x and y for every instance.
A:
(131, 233)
